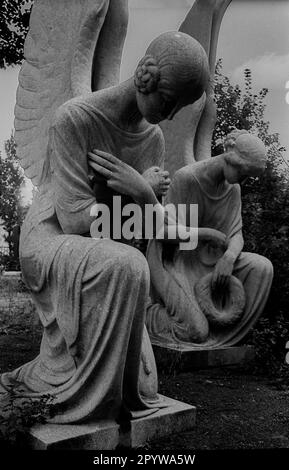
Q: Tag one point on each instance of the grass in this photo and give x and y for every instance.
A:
(17, 311)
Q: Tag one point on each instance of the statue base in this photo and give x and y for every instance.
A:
(107, 435)
(171, 357)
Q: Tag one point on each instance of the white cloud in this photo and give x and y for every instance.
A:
(269, 71)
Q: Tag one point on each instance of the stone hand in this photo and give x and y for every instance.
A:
(120, 176)
(222, 272)
(158, 179)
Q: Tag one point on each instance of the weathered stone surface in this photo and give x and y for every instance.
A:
(179, 417)
(211, 296)
(106, 435)
(173, 358)
(188, 136)
(101, 436)
(70, 50)
(91, 292)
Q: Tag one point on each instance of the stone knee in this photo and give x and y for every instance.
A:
(113, 259)
(131, 263)
(190, 325)
(197, 333)
(262, 266)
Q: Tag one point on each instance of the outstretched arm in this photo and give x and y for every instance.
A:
(235, 246)
(225, 266)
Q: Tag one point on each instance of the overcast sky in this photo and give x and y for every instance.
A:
(254, 34)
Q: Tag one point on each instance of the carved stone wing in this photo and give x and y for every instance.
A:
(189, 135)
(60, 52)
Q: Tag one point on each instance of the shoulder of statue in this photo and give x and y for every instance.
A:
(159, 134)
(236, 189)
(186, 179)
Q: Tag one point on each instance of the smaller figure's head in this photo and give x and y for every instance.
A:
(245, 156)
(173, 73)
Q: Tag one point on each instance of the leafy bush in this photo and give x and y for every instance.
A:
(17, 415)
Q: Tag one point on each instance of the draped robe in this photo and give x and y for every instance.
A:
(91, 295)
(174, 314)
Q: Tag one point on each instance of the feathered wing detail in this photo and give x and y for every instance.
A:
(59, 52)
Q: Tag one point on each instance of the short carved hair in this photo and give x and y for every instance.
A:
(247, 151)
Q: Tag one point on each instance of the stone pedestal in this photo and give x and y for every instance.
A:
(173, 358)
(107, 435)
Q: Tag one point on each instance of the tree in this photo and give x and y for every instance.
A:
(265, 202)
(14, 22)
(11, 211)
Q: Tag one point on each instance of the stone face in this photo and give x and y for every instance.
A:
(177, 417)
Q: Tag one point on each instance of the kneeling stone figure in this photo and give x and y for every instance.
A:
(213, 295)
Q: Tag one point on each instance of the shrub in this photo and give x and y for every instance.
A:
(265, 210)
(18, 415)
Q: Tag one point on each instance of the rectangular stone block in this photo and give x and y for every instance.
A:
(177, 417)
(174, 358)
(103, 435)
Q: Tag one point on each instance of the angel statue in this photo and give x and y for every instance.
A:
(211, 296)
(84, 138)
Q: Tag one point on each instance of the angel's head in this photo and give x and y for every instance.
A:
(173, 73)
(245, 155)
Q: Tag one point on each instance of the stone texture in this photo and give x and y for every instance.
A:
(90, 293)
(106, 435)
(171, 358)
(60, 64)
(234, 284)
(101, 436)
(179, 417)
(189, 134)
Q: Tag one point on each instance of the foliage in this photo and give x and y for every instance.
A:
(269, 340)
(17, 415)
(12, 213)
(14, 22)
(265, 205)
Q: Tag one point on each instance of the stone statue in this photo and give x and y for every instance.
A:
(189, 135)
(210, 296)
(95, 359)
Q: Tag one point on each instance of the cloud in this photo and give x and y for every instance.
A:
(269, 71)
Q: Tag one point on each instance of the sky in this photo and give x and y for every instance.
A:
(254, 34)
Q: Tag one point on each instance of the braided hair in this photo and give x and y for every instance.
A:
(147, 75)
(176, 62)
